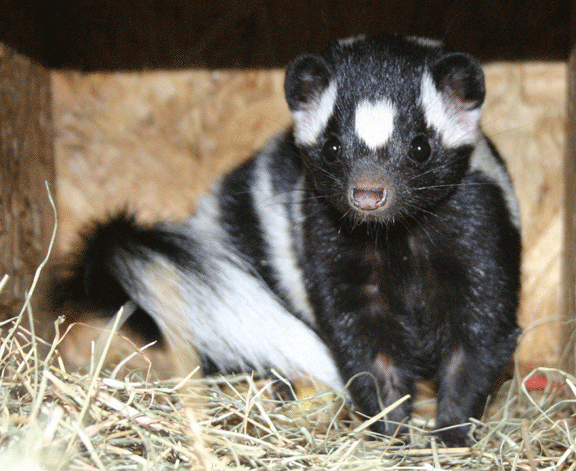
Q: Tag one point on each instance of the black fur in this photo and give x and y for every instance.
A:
(422, 284)
(91, 282)
(245, 232)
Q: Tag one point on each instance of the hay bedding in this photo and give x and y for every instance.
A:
(53, 419)
(99, 421)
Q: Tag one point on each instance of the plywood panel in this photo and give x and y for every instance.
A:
(525, 115)
(156, 140)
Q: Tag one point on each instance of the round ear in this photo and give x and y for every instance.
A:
(307, 77)
(460, 79)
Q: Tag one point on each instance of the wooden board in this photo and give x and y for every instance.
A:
(151, 34)
(568, 338)
(525, 116)
(26, 163)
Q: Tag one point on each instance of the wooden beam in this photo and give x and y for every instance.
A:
(568, 274)
(26, 162)
(568, 343)
(95, 35)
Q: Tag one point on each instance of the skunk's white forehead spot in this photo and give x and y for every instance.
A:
(456, 127)
(374, 122)
(310, 122)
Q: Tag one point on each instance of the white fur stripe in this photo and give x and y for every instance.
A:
(225, 311)
(485, 161)
(344, 42)
(234, 319)
(297, 215)
(426, 42)
(374, 122)
(309, 123)
(456, 127)
(280, 244)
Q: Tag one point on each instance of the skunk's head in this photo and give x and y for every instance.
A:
(386, 125)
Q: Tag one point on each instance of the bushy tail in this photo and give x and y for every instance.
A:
(199, 292)
(90, 281)
(105, 273)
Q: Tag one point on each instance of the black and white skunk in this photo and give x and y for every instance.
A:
(375, 243)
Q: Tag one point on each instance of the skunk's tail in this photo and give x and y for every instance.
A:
(110, 269)
(200, 294)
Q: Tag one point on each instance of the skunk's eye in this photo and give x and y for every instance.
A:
(420, 149)
(332, 149)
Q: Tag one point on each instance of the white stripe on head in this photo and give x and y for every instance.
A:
(456, 127)
(311, 121)
(374, 122)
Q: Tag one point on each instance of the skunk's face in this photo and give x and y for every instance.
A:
(386, 125)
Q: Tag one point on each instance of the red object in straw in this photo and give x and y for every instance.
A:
(539, 382)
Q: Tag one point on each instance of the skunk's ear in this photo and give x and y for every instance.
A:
(307, 77)
(460, 79)
(311, 97)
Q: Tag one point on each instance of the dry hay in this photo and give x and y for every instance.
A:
(99, 421)
(52, 419)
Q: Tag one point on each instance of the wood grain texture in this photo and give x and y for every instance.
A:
(26, 162)
(525, 115)
(568, 340)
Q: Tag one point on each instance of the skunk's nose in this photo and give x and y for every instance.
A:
(368, 199)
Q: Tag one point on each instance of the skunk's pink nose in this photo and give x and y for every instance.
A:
(368, 199)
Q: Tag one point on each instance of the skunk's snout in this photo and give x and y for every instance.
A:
(368, 199)
(370, 189)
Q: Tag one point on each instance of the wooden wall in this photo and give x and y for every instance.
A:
(26, 163)
(156, 140)
(525, 115)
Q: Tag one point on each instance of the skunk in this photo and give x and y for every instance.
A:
(373, 244)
